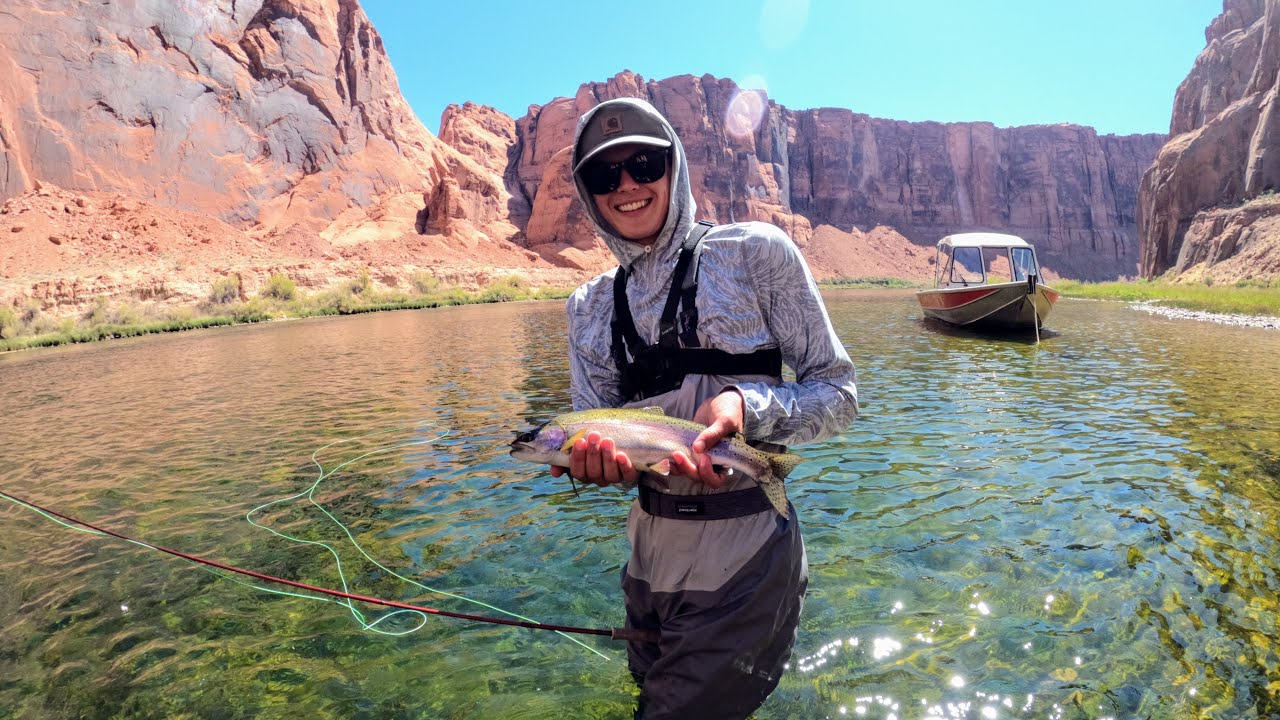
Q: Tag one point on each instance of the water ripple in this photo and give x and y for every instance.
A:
(1085, 528)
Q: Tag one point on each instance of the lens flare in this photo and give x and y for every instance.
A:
(745, 113)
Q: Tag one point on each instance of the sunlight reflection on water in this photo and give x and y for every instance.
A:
(1081, 529)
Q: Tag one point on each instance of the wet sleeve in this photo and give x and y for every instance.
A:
(593, 375)
(823, 399)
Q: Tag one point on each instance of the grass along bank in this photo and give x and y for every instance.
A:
(30, 327)
(1246, 297)
(869, 282)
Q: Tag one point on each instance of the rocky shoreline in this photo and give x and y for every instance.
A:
(1155, 308)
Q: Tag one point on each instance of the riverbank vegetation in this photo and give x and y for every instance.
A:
(30, 327)
(1245, 297)
(869, 282)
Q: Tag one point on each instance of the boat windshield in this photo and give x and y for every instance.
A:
(1024, 263)
(966, 266)
(996, 262)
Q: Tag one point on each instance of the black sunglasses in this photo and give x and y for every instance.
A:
(645, 166)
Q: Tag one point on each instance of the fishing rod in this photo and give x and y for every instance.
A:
(627, 634)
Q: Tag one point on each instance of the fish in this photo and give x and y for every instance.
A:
(648, 436)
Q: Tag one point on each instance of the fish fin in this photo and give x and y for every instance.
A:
(569, 442)
(781, 464)
(662, 467)
(653, 409)
(773, 489)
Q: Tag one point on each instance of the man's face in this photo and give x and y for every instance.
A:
(637, 211)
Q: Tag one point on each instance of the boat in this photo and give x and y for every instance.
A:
(988, 281)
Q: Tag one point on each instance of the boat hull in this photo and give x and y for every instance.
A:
(1000, 306)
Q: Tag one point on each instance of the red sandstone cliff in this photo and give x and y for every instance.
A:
(1208, 204)
(1063, 187)
(277, 125)
(148, 149)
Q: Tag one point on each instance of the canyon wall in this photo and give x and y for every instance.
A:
(1066, 189)
(1208, 206)
(149, 149)
(278, 123)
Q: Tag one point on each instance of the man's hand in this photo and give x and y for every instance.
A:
(723, 415)
(596, 460)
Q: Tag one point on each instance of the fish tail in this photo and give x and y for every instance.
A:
(777, 496)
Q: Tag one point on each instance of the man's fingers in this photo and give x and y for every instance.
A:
(578, 459)
(707, 474)
(708, 438)
(683, 465)
(626, 469)
(608, 462)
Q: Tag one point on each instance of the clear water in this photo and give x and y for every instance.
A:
(1084, 528)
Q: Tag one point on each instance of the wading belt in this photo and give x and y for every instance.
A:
(652, 369)
(716, 506)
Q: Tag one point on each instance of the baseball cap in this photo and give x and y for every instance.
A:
(619, 122)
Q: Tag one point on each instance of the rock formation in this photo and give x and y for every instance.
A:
(275, 112)
(1063, 187)
(149, 149)
(1207, 205)
(280, 118)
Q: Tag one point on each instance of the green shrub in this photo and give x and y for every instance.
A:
(9, 324)
(425, 283)
(30, 312)
(362, 283)
(504, 289)
(280, 287)
(225, 290)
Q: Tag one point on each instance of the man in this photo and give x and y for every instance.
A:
(701, 331)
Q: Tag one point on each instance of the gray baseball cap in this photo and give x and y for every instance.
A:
(618, 122)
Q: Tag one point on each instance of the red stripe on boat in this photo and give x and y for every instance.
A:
(954, 299)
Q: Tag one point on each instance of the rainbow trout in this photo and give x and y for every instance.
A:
(648, 437)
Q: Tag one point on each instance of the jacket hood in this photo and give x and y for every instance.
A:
(681, 209)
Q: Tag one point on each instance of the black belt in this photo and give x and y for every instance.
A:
(718, 506)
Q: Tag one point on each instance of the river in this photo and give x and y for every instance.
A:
(1088, 527)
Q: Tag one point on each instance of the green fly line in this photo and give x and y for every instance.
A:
(361, 618)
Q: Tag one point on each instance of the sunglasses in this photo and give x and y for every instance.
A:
(645, 166)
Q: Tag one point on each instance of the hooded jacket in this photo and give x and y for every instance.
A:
(754, 292)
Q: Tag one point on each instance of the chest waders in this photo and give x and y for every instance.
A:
(648, 369)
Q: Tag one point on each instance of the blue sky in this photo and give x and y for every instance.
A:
(1111, 64)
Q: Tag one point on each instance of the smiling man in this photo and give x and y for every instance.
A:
(698, 320)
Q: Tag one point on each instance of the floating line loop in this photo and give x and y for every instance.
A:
(615, 633)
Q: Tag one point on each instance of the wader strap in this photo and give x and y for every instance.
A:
(667, 333)
(717, 506)
(646, 370)
(624, 326)
(709, 361)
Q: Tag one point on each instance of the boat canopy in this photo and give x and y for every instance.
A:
(983, 240)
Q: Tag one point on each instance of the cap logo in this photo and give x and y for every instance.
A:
(611, 125)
